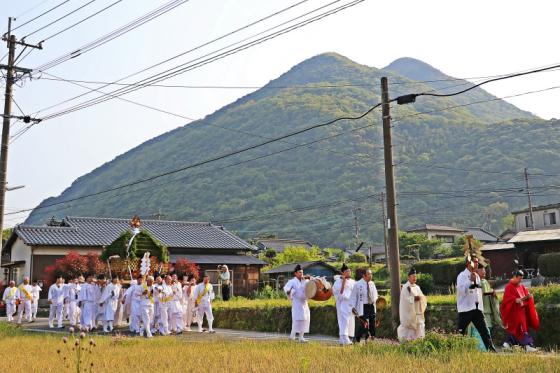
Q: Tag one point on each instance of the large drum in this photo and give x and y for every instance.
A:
(318, 288)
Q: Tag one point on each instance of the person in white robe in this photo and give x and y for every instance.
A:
(204, 295)
(412, 305)
(146, 293)
(56, 301)
(301, 316)
(127, 304)
(9, 299)
(72, 295)
(165, 297)
(342, 291)
(135, 305)
(188, 301)
(120, 308)
(36, 294)
(176, 324)
(25, 300)
(99, 306)
(87, 298)
(110, 300)
(158, 287)
(364, 297)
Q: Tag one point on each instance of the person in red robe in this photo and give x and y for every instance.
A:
(519, 314)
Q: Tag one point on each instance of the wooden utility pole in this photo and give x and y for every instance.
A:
(11, 71)
(392, 223)
(528, 189)
(384, 218)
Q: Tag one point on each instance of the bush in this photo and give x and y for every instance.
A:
(444, 272)
(357, 258)
(439, 344)
(426, 283)
(268, 292)
(549, 264)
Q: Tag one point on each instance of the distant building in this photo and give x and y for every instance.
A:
(31, 248)
(447, 235)
(544, 217)
(377, 253)
(525, 247)
(280, 244)
(285, 272)
(482, 235)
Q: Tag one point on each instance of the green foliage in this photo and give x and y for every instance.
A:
(439, 344)
(268, 292)
(6, 233)
(549, 264)
(411, 243)
(143, 242)
(270, 253)
(337, 254)
(477, 137)
(357, 258)
(295, 254)
(426, 283)
(444, 272)
(458, 247)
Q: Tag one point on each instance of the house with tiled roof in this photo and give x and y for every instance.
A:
(31, 248)
(446, 234)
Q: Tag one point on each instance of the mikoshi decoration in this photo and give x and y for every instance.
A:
(473, 251)
(145, 264)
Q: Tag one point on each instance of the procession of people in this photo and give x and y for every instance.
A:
(167, 305)
(152, 305)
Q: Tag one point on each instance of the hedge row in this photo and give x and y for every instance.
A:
(444, 272)
(549, 264)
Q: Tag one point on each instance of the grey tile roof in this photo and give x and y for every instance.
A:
(538, 208)
(536, 236)
(482, 235)
(280, 244)
(88, 231)
(435, 227)
(218, 259)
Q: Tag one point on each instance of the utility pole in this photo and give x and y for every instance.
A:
(528, 189)
(392, 223)
(384, 218)
(11, 74)
(355, 211)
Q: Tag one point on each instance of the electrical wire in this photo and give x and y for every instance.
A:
(186, 67)
(223, 156)
(80, 22)
(59, 19)
(39, 16)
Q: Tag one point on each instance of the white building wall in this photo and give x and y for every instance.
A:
(20, 251)
(539, 220)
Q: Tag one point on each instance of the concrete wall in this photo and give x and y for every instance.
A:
(539, 220)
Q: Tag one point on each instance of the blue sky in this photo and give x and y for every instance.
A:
(465, 39)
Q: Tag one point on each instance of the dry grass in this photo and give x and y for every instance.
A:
(37, 353)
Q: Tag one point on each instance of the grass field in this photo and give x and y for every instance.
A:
(38, 353)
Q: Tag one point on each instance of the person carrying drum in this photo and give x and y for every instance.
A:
(301, 317)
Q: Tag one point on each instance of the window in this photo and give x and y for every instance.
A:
(527, 221)
(550, 218)
(446, 239)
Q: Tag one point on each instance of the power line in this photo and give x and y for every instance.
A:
(131, 26)
(40, 15)
(182, 68)
(80, 21)
(59, 19)
(30, 9)
(220, 157)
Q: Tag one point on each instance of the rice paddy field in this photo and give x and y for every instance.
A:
(34, 352)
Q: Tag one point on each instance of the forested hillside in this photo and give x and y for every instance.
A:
(460, 164)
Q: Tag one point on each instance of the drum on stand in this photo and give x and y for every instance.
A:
(318, 289)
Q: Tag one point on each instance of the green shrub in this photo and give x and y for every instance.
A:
(549, 264)
(439, 344)
(444, 272)
(426, 283)
(267, 292)
(357, 258)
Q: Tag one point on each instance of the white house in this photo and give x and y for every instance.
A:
(544, 217)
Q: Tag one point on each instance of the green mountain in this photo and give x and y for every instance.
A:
(459, 164)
